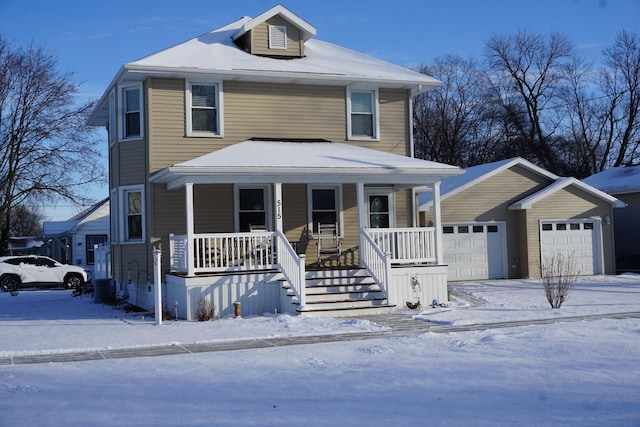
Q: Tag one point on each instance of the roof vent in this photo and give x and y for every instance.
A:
(277, 37)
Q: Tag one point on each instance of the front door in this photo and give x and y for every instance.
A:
(380, 208)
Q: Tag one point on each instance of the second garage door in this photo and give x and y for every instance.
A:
(474, 251)
(577, 238)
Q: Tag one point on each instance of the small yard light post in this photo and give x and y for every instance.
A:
(157, 285)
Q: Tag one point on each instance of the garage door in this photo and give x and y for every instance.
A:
(578, 239)
(474, 251)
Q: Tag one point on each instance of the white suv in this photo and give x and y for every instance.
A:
(29, 270)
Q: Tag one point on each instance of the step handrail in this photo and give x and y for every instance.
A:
(376, 262)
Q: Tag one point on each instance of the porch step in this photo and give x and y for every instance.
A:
(343, 292)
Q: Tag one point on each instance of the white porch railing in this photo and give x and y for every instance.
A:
(293, 267)
(377, 262)
(224, 252)
(406, 245)
(241, 251)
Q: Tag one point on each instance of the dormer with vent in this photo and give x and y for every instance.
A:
(276, 33)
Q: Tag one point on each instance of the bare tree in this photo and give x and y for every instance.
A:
(559, 275)
(622, 83)
(47, 152)
(603, 108)
(526, 72)
(25, 221)
(453, 124)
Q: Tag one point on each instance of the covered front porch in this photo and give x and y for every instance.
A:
(275, 268)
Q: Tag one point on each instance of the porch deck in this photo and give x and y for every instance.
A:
(265, 272)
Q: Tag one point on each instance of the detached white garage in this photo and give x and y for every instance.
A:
(475, 251)
(576, 239)
(501, 219)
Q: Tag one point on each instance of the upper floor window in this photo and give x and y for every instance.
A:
(130, 117)
(132, 214)
(277, 37)
(203, 109)
(362, 116)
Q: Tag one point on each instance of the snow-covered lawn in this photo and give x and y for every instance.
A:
(567, 373)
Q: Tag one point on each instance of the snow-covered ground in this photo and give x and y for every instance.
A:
(568, 373)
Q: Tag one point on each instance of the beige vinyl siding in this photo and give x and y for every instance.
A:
(169, 215)
(168, 144)
(260, 39)
(489, 199)
(114, 165)
(270, 111)
(283, 111)
(403, 208)
(394, 133)
(567, 203)
(140, 272)
(294, 215)
(131, 162)
(213, 206)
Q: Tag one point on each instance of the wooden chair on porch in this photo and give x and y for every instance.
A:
(329, 243)
(259, 251)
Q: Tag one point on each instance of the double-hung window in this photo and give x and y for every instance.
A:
(131, 111)
(204, 102)
(132, 214)
(324, 204)
(362, 117)
(252, 207)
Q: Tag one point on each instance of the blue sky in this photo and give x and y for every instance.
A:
(93, 39)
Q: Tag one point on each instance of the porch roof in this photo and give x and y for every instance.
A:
(268, 161)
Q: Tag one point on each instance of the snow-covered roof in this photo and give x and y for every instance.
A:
(299, 162)
(620, 180)
(476, 174)
(215, 55)
(559, 184)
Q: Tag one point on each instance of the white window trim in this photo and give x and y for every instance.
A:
(123, 214)
(381, 191)
(112, 131)
(219, 104)
(375, 110)
(339, 214)
(268, 206)
(121, 112)
(283, 30)
(114, 236)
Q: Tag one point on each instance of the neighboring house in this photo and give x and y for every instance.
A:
(226, 151)
(72, 241)
(25, 245)
(624, 184)
(506, 219)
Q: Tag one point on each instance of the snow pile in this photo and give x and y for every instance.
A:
(566, 374)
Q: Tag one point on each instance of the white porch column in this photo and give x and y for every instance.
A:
(188, 191)
(362, 215)
(277, 203)
(438, 222)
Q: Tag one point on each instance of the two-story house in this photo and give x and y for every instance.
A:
(231, 151)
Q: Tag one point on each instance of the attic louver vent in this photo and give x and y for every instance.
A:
(277, 37)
